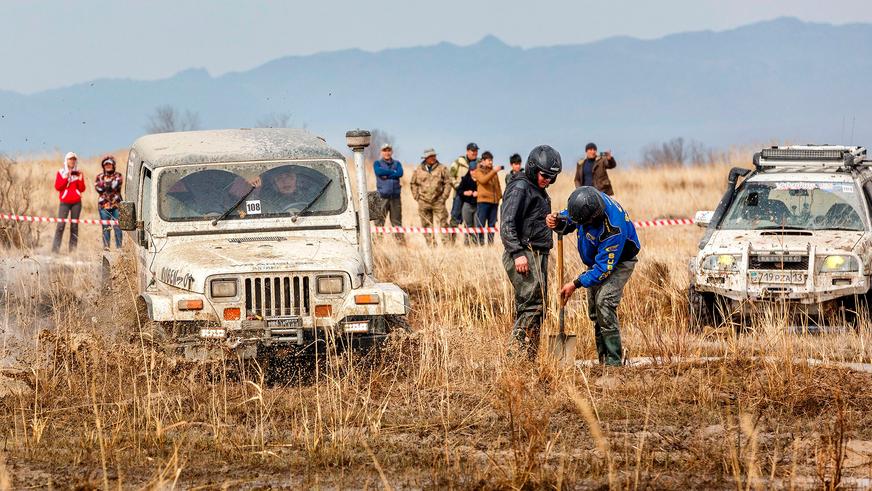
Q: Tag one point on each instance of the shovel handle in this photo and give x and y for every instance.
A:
(560, 265)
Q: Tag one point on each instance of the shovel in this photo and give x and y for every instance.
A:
(561, 346)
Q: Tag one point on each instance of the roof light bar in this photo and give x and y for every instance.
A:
(800, 154)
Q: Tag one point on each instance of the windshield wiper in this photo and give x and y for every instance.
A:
(781, 227)
(309, 204)
(224, 215)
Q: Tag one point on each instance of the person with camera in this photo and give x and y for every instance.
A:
(608, 246)
(528, 241)
(592, 170)
(108, 186)
(70, 184)
(489, 195)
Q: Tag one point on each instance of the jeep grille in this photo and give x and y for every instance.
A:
(792, 263)
(277, 296)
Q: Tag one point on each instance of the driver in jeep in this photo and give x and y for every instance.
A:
(287, 188)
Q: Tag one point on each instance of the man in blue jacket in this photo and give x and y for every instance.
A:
(608, 245)
(387, 183)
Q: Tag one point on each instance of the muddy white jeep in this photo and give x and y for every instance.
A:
(248, 240)
(795, 234)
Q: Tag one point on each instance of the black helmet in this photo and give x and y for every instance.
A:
(586, 205)
(543, 159)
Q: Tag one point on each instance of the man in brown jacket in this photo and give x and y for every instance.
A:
(431, 186)
(489, 194)
(591, 170)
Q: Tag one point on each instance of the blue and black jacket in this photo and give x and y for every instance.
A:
(387, 177)
(603, 245)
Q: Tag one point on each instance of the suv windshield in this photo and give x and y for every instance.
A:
(281, 189)
(805, 205)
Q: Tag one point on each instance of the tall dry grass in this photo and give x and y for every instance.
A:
(84, 402)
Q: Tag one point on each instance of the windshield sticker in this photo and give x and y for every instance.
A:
(253, 207)
(790, 186)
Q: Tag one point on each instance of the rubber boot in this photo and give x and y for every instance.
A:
(533, 340)
(614, 353)
(600, 345)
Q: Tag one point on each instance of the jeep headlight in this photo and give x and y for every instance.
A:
(728, 263)
(224, 288)
(839, 264)
(330, 285)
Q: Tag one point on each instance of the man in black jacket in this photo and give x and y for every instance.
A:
(527, 241)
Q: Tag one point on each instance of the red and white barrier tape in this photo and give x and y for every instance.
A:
(666, 222)
(85, 221)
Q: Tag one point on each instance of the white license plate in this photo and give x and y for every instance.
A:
(791, 277)
(212, 333)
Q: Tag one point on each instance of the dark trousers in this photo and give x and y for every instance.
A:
(486, 216)
(456, 210)
(73, 210)
(468, 212)
(394, 208)
(110, 214)
(530, 299)
(602, 309)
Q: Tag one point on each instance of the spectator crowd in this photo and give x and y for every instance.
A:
(471, 184)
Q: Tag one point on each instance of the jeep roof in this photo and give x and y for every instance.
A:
(237, 145)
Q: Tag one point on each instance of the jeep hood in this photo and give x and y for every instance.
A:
(186, 264)
(776, 240)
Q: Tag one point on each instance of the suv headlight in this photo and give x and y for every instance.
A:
(223, 288)
(839, 264)
(330, 285)
(728, 263)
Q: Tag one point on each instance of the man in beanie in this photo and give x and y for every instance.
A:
(591, 170)
(608, 245)
(70, 184)
(431, 186)
(108, 185)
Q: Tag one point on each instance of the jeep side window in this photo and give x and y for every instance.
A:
(145, 205)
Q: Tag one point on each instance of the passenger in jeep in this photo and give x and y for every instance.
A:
(288, 188)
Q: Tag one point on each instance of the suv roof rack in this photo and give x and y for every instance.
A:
(834, 157)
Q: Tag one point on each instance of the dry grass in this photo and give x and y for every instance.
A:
(86, 404)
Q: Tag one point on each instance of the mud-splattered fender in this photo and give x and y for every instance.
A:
(165, 308)
(392, 301)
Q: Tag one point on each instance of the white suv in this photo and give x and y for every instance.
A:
(795, 233)
(248, 240)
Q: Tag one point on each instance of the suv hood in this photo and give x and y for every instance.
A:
(775, 240)
(187, 263)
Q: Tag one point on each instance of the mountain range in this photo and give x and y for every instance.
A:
(779, 80)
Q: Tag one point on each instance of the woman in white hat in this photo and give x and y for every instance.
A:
(70, 184)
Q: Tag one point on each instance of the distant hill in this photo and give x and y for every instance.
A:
(777, 80)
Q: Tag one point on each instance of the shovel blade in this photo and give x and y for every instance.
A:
(562, 348)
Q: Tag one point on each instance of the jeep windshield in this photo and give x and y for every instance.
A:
(795, 205)
(274, 189)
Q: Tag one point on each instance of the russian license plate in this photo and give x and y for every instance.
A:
(289, 322)
(791, 277)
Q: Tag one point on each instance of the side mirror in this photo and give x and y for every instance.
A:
(127, 215)
(703, 218)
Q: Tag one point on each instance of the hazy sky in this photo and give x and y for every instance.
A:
(51, 43)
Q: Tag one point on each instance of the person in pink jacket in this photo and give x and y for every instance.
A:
(70, 184)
